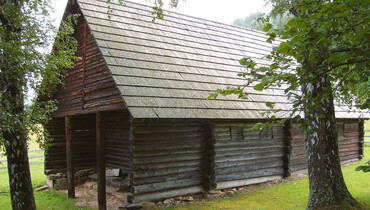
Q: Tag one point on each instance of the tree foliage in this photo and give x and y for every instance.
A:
(27, 59)
(26, 33)
(365, 168)
(326, 38)
(255, 21)
(323, 56)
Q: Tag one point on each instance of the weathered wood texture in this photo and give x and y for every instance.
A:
(361, 133)
(101, 161)
(116, 138)
(69, 154)
(167, 68)
(349, 142)
(84, 134)
(88, 86)
(170, 157)
(241, 154)
(84, 145)
(55, 157)
(298, 157)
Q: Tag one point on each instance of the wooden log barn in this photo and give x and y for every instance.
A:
(136, 101)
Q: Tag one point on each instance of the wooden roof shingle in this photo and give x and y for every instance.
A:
(167, 68)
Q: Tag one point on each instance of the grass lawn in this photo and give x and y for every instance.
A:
(44, 200)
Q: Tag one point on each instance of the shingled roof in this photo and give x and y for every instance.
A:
(167, 68)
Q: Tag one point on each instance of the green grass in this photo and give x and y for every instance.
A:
(37, 176)
(44, 199)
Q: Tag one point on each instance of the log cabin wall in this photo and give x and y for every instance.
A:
(83, 144)
(88, 86)
(244, 157)
(349, 142)
(116, 130)
(55, 157)
(84, 141)
(169, 158)
(298, 156)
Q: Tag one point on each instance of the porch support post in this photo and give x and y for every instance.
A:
(100, 147)
(70, 171)
(288, 138)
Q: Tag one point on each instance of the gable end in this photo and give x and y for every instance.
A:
(89, 85)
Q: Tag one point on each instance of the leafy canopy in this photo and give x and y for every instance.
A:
(255, 21)
(27, 62)
(324, 39)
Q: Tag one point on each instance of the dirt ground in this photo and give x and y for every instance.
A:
(87, 196)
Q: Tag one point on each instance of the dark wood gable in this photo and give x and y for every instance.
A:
(89, 86)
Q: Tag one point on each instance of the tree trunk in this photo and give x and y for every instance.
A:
(326, 183)
(21, 191)
(12, 80)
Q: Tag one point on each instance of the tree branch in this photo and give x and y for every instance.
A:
(352, 62)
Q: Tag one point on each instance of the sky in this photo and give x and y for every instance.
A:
(224, 11)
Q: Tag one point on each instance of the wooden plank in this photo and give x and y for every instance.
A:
(250, 174)
(112, 107)
(100, 162)
(160, 186)
(245, 182)
(70, 171)
(249, 167)
(165, 194)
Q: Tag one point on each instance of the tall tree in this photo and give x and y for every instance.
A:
(25, 34)
(330, 42)
(250, 21)
(254, 21)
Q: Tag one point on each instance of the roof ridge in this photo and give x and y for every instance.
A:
(169, 12)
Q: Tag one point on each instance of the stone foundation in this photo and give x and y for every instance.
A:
(59, 181)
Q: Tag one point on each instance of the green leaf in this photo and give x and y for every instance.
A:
(270, 104)
(264, 69)
(267, 27)
(243, 61)
(259, 87)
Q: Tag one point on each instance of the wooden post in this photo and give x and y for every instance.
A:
(288, 135)
(210, 177)
(100, 147)
(130, 197)
(70, 171)
(361, 133)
